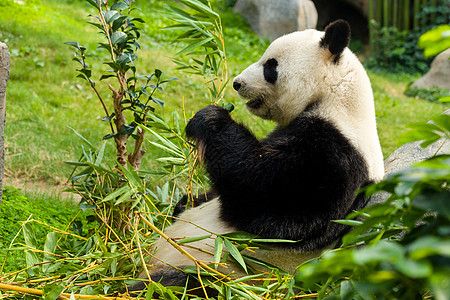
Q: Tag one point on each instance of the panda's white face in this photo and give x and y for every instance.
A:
(315, 67)
(289, 69)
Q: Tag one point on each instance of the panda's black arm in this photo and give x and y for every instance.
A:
(233, 155)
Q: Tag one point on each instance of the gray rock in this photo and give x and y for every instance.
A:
(438, 75)
(272, 18)
(408, 154)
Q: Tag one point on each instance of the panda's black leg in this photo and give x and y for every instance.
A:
(170, 277)
(193, 201)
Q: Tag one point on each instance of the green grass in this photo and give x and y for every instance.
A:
(394, 110)
(44, 97)
(16, 208)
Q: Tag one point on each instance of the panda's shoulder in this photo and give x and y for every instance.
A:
(310, 127)
(314, 136)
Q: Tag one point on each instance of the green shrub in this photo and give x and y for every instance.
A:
(397, 51)
(432, 94)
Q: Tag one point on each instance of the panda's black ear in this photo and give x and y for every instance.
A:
(336, 38)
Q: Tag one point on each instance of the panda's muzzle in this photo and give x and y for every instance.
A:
(255, 103)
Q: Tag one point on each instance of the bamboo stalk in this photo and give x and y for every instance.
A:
(57, 230)
(379, 16)
(423, 20)
(395, 21)
(371, 33)
(416, 11)
(8, 287)
(386, 13)
(406, 15)
(433, 15)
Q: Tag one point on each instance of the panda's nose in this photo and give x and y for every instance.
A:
(236, 85)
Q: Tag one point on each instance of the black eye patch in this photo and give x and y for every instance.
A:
(270, 70)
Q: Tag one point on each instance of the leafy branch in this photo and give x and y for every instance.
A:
(121, 37)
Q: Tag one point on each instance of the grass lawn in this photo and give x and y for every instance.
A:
(17, 207)
(44, 98)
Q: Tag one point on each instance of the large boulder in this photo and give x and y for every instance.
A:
(408, 154)
(438, 75)
(271, 19)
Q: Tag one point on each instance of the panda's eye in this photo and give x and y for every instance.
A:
(270, 70)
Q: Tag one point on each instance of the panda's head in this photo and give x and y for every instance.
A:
(296, 70)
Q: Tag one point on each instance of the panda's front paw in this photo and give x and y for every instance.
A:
(209, 120)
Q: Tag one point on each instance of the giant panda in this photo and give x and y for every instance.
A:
(293, 183)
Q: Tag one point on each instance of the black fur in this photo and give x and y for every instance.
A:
(270, 70)
(289, 185)
(337, 37)
(171, 277)
(187, 201)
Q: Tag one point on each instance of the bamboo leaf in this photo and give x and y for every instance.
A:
(76, 163)
(193, 239)
(29, 235)
(442, 120)
(176, 153)
(101, 243)
(348, 222)
(195, 45)
(131, 175)
(31, 258)
(200, 7)
(100, 155)
(125, 196)
(82, 138)
(218, 249)
(171, 160)
(234, 252)
(418, 135)
(165, 141)
(117, 193)
(50, 245)
(52, 291)
(247, 278)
